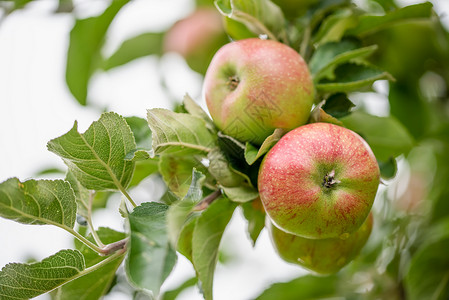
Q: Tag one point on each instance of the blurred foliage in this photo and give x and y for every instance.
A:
(83, 57)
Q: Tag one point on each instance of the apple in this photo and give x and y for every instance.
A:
(197, 37)
(253, 86)
(325, 256)
(319, 181)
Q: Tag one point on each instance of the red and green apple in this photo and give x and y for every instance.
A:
(319, 181)
(253, 86)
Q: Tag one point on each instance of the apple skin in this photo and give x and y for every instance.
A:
(253, 86)
(325, 256)
(319, 181)
(197, 37)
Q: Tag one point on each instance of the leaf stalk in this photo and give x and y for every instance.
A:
(90, 224)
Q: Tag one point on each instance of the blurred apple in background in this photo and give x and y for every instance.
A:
(197, 37)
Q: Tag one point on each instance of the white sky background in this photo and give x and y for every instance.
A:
(36, 106)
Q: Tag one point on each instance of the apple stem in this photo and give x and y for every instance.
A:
(233, 82)
(329, 180)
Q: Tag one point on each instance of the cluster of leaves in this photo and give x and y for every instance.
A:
(208, 174)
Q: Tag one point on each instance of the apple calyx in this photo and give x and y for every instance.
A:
(233, 82)
(329, 180)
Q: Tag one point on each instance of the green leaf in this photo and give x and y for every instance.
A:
(140, 295)
(319, 115)
(151, 257)
(350, 77)
(178, 213)
(438, 231)
(206, 239)
(101, 199)
(338, 105)
(334, 27)
(144, 169)
(50, 171)
(38, 202)
(139, 46)
(143, 138)
(195, 110)
(386, 136)
(169, 198)
(260, 16)
(328, 56)
(25, 281)
(177, 172)
(369, 24)
(65, 6)
(182, 219)
(388, 168)
(83, 57)
(220, 168)
(387, 5)
(305, 287)
(178, 133)
(137, 155)
(296, 9)
(428, 274)
(81, 195)
(324, 9)
(241, 194)
(185, 237)
(173, 294)
(18, 4)
(237, 30)
(252, 154)
(231, 146)
(408, 104)
(97, 157)
(255, 215)
(97, 283)
(232, 159)
(141, 132)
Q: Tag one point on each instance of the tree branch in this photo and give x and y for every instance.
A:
(203, 204)
(114, 247)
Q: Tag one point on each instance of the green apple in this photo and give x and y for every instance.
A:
(253, 86)
(319, 181)
(326, 256)
(197, 37)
